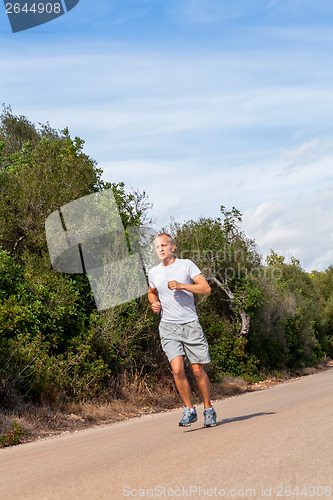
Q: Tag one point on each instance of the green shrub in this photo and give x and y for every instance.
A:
(228, 352)
(13, 436)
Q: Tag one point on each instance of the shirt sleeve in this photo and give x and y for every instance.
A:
(150, 281)
(193, 269)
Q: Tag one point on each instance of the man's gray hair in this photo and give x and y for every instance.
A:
(168, 235)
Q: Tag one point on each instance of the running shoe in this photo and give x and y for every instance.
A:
(210, 417)
(188, 418)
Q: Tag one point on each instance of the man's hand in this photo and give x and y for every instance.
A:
(174, 285)
(153, 299)
(156, 307)
(199, 286)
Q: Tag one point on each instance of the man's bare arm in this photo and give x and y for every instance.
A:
(153, 299)
(199, 286)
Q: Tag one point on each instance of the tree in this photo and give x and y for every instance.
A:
(46, 170)
(285, 328)
(323, 285)
(48, 318)
(225, 256)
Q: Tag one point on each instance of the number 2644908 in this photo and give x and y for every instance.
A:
(35, 8)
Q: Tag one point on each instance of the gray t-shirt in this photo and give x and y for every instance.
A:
(177, 305)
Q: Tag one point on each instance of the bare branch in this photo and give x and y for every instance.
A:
(245, 318)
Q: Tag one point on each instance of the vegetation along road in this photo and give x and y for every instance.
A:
(273, 443)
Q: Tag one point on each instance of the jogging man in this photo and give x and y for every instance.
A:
(171, 287)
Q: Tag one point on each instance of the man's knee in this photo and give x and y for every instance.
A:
(178, 369)
(198, 370)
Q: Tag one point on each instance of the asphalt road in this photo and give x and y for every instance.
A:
(275, 443)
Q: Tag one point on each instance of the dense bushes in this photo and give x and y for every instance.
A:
(285, 330)
(284, 306)
(45, 336)
(55, 345)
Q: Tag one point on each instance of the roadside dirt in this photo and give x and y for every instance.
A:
(267, 443)
(45, 421)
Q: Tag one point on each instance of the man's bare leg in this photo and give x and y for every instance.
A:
(202, 383)
(182, 384)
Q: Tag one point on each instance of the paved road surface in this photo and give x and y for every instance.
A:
(265, 443)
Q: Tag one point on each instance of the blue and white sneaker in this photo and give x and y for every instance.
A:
(188, 418)
(210, 417)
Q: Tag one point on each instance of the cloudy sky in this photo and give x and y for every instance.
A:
(197, 102)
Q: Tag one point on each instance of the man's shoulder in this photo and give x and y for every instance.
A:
(186, 262)
(155, 269)
(189, 266)
(183, 261)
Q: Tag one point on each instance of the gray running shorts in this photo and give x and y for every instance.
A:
(185, 339)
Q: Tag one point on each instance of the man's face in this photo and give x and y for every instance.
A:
(163, 247)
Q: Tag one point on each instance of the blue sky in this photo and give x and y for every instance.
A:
(199, 103)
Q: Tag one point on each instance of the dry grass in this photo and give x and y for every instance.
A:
(5, 423)
(130, 396)
(229, 387)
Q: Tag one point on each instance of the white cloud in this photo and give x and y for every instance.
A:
(197, 130)
(282, 213)
(303, 229)
(309, 153)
